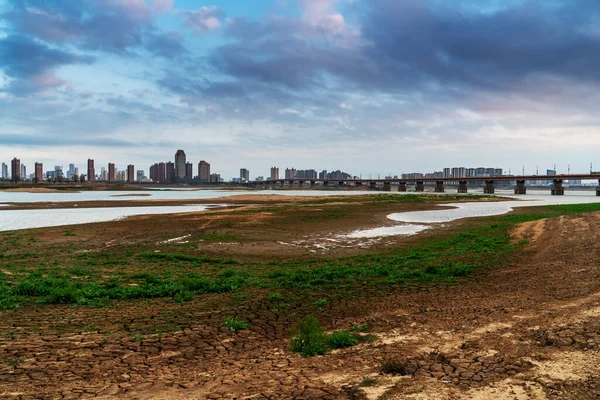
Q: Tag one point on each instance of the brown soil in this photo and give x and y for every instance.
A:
(528, 331)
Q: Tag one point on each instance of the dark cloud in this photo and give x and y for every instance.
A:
(167, 44)
(414, 46)
(30, 63)
(102, 25)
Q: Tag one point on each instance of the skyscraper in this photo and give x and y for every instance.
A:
(170, 178)
(71, 171)
(140, 175)
(4, 171)
(180, 165)
(23, 172)
(162, 172)
(189, 171)
(274, 173)
(15, 165)
(130, 173)
(39, 172)
(204, 171)
(112, 173)
(91, 171)
(244, 175)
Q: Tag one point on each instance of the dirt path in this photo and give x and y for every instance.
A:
(529, 331)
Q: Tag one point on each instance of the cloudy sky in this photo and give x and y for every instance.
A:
(367, 86)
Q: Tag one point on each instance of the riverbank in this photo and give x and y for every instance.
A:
(136, 308)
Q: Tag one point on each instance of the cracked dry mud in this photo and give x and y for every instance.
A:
(527, 331)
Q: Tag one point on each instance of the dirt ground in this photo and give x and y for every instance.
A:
(527, 331)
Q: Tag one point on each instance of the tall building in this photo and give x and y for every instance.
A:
(244, 175)
(58, 172)
(140, 175)
(15, 165)
(189, 171)
(76, 171)
(130, 173)
(4, 171)
(204, 171)
(39, 172)
(170, 172)
(290, 173)
(71, 171)
(23, 172)
(274, 173)
(91, 171)
(215, 178)
(162, 172)
(112, 173)
(180, 165)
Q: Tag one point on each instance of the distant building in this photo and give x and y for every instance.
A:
(39, 172)
(274, 173)
(91, 171)
(23, 172)
(76, 172)
(112, 172)
(58, 172)
(4, 171)
(215, 178)
(550, 172)
(244, 175)
(180, 166)
(130, 173)
(170, 172)
(447, 173)
(189, 171)
(71, 171)
(162, 172)
(140, 175)
(15, 165)
(323, 174)
(290, 173)
(204, 171)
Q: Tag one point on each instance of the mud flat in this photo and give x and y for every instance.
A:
(494, 307)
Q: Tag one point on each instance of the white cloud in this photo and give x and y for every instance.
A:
(204, 20)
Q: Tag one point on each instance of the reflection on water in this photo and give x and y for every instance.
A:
(25, 219)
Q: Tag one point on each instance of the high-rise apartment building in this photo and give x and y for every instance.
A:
(71, 171)
(189, 171)
(290, 173)
(215, 178)
(15, 165)
(4, 171)
(204, 171)
(244, 175)
(274, 173)
(170, 172)
(130, 173)
(39, 172)
(140, 175)
(23, 172)
(112, 173)
(91, 171)
(180, 165)
(162, 172)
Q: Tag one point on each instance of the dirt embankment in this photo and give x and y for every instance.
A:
(528, 331)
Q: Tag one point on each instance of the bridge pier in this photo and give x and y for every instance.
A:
(312, 184)
(520, 188)
(340, 183)
(598, 188)
(373, 185)
(462, 187)
(387, 187)
(325, 183)
(557, 188)
(489, 187)
(420, 187)
(358, 183)
(402, 187)
(301, 183)
(439, 187)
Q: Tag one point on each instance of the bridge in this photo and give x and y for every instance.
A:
(557, 187)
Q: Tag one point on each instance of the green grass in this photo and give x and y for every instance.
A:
(235, 324)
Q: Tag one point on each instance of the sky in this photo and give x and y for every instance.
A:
(371, 87)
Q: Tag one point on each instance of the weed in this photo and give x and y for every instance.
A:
(183, 297)
(341, 339)
(235, 324)
(137, 338)
(359, 328)
(69, 233)
(320, 302)
(15, 362)
(368, 382)
(310, 340)
(274, 296)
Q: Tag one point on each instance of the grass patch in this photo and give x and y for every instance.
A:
(235, 324)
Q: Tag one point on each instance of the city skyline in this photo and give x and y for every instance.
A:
(369, 87)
